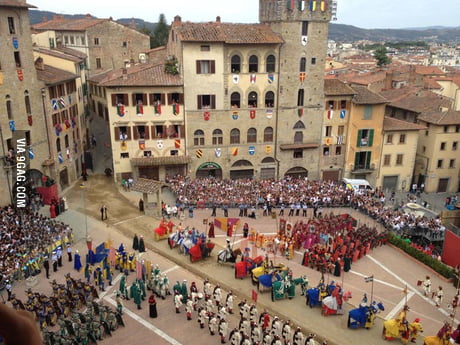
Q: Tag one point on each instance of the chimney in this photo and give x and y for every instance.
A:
(177, 20)
(218, 19)
(124, 73)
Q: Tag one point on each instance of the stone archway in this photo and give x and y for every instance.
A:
(209, 169)
(242, 169)
(297, 172)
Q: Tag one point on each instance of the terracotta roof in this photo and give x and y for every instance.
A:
(52, 75)
(62, 24)
(298, 146)
(430, 83)
(366, 96)
(365, 79)
(431, 70)
(157, 161)
(139, 75)
(144, 185)
(416, 100)
(227, 32)
(451, 117)
(391, 124)
(335, 87)
(15, 3)
(60, 54)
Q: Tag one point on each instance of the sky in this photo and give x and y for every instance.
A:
(368, 14)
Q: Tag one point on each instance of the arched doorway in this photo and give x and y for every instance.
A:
(268, 168)
(209, 169)
(297, 172)
(242, 169)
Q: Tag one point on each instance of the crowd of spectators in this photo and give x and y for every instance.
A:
(25, 238)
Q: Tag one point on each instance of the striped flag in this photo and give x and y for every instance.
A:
(330, 114)
(290, 5)
(323, 6)
(31, 153)
(301, 5)
(235, 151)
(198, 153)
(61, 102)
(177, 143)
(339, 139)
(313, 5)
(60, 159)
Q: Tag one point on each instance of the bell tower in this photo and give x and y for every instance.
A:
(303, 25)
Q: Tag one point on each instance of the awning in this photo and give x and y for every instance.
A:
(298, 146)
(145, 185)
(157, 161)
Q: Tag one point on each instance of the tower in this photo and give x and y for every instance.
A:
(303, 25)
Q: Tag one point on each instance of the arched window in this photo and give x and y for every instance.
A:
(253, 64)
(66, 140)
(252, 99)
(252, 135)
(270, 99)
(298, 138)
(303, 64)
(58, 144)
(198, 138)
(235, 99)
(27, 102)
(270, 63)
(299, 125)
(300, 97)
(217, 137)
(9, 107)
(235, 136)
(268, 135)
(235, 64)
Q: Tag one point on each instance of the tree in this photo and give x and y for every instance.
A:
(160, 34)
(380, 54)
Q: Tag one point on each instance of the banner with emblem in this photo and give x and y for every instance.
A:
(300, 112)
(271, 78)
(177, 143)
(15, 42)
(330, 114)
(302, 76)
(60, 159)
(343, 113)
(339, 139)
(252, 114)
(252, 150)
(218, 152)
(160, 144)
(252, 78)
(269, 113)
(235, 115)
(139, 109)
(198, 153)
(234, 151)
(120, 109)
(323, 6)
(290, 5)
(236, 78)
(301, 5)
(268, 149)
(313, 5)
(31, 153)
(304, 40)
(20, 75)
(206, 115)
(141, 144)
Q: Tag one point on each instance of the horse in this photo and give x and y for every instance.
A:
(225, 255)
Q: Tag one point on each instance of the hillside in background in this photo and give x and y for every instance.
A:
(337, 32)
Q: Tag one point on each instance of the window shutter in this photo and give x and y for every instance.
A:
(125, 99)
(164, 132)
(181, 98)
(117, 133)
(128, 129)
(136, 133)
(144, 98)
(182, 131)
(151, 98)
(133, 97)
(198, 67)
(198, 102)
(213, 101)
(371, 137)
(356, 160)
(213, 66)
(368, 159)
(152, 128)
(360, 134)
(169, 98)
(114, 100)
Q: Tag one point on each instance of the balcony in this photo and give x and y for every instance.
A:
(363, 169)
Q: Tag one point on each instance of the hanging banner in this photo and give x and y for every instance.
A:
(271, 78)
(330, 114)
(235, 115)
(252, 78)
(15, 42)
(141, 144)
(60, 159)
(342, 114)
(302, 76)
(323, 6)
(160, 144)
(198, 153)
(20, 75)
(120, 110)
(31, 153)
(252, 114)
(139, 109)
(269, 113)
(300, 112)
(123, 146)
(252, 150)
(290, 4)
(157, 108)
(176, 108)
(177, 143)
(304, 40)
(29, 120)
(217, 152)
(234, 151)
(301, 5)
(268, 149)
(12, 125)
(313, 5)
(236, 79)
(206, 115)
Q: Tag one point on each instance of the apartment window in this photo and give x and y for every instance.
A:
(98, 63)
(328, 132)
(206, 101)
(300, 97)
(268, 135)
(205, 66)
(72, 40)
(9, 108)
(439, 165)
(340, 130)
(141, 132)
(452, 163)
(124, 155)
(313, 61)
(399, 159)
(11, 27)
(252, 99)
(362, 160)
(443, 146)
(198, 138)
(235, 136)
(426, 133)
(17, 59)
(217, 137)
(298, 137)
(326, 151)
(367, 115)
(82, 40)
(66, 40)
(123, 133)
(119, 98)
(304, 28)
(298, 153)
(423, 149)
(343, 104)
(402, 138)
(365, 137)
(338, 150)
(124, 44)
(454, 146)
(235, 99)
(253, 64)
(330, 105)
(58, 144)
(235, 64)
(457, 128)
(96, 41)
(27, 102)
(270, 63)
(446, 129)
(205, 48)
(303, 64)
(389, 138)
(270, 99)
(386, 160)
(252, 135)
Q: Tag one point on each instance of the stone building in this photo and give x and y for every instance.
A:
(22, 113)
(107, 44)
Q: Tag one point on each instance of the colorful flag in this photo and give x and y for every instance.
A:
(302, 76)
(177, 143)
(235, 151)
(268, 149)
(290, 5)
(343, 113)
(139, 109)
(31, 153)
(112, 257)
(120, 109)
(300, 112)
(61, 102)
(271, 78)
(198, 153)
(141, 144)
(323, 6)
(60, 159)
(252, 78)
(175, 108)
(54, 104)
(157, 108)
(301, 5)
(313, 5)
(330, 114)
(252, 114)
(339, 139)
(12, 125)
